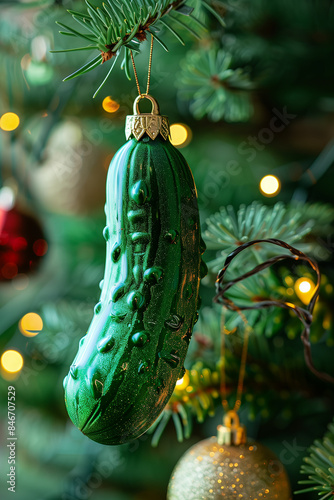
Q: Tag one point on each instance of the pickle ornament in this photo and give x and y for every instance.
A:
(130, 359)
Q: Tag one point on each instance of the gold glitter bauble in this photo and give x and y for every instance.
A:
(209, 471)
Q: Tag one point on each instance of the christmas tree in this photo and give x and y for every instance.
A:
(247, 86)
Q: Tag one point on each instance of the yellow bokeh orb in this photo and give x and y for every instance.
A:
(109, 105)
(270, 185)
(180, 135)
(9, 122)
(304, 288)
(12, 361)
(183, 382)
(31, 324)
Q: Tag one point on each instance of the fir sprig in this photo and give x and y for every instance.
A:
(319, 467)
(198, 401)
(122, 24)
(198, 394)
(229, 228)
(213, 87)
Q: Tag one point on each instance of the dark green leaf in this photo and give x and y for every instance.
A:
(88, 26)
(185, 10)
(214, 13)
(185, 26)
(78, 14)
(106, 78)
(172, 31)
(76, 33)
(159, 41)
(87, 67)
(89, 47)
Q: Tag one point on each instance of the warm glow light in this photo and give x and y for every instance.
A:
(109, 105)
(31, 324)
(183, 382)
(288, 280)
(304, 288)
(229, 332)
(9, 122)
(180, 135)
(11, 361)
(270, 185)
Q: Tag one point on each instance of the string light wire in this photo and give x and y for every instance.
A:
(305, 315)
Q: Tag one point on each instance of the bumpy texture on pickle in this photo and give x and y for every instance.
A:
(129, 361)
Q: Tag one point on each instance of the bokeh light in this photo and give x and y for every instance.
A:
(270, 185)
(25, 61)
(7, 198)
(40, 247)
(39, 47)
(9, 270)
(304, 288)
(180, 135)
(229, 332)
(20, 282)
(12, 361)
(9, 122)
(183, 382)
(31, 324)
(109, 105)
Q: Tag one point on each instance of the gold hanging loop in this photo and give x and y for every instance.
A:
(151, 124)
(155, 105)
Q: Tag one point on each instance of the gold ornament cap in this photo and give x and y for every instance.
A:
(152, 124)
(231, 433)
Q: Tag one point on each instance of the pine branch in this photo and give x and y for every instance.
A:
(117, 25)
(228, 228)
(213, 87)
(195, 397)
(320, 467)
(271, 390)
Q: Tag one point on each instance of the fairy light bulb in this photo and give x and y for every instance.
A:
(180, 135)
(183, 382)
(304, 288)
(109, 105)
(12, 361)
(270, 185)
(9, 122)
(31, 324)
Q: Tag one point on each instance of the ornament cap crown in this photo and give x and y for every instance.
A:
(151, 124)
(231, 433)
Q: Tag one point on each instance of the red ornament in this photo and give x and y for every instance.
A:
(22, 243)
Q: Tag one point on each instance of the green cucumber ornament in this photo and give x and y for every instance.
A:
(129, 361)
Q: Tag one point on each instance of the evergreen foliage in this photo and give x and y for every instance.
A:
(319, 467)
(118, 24)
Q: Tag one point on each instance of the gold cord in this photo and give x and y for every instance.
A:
(135, 72)
(149, 70)
(242, 371)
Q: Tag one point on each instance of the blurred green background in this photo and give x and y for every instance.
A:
(254, 98)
